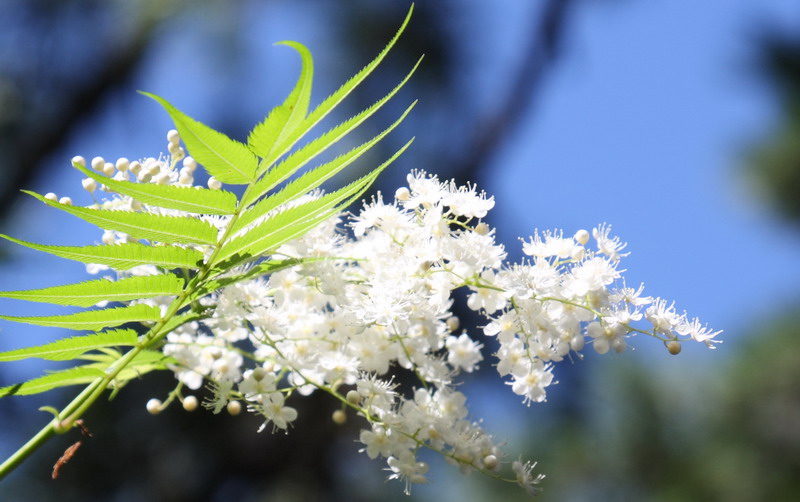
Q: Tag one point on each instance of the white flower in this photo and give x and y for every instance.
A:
(405, 466)
(463, 352)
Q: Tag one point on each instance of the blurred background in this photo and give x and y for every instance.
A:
(676, 121)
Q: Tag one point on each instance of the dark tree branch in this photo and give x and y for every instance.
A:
(542, 51)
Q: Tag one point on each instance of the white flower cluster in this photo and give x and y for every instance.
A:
(366, 303)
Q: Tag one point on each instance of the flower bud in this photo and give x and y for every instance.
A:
(577, 253)
(339, 417)
(402, 194)
(581, 237)
(51, 196)
(190, 403)
(214, 183)
(154, 406)
(234, 408)
(135, 167)
(122, 164)
(78, 160)
(674, 347)
(98, 163)
(173, 137)
(452, 323)
(353, 397)
(482, 228)
(89, 184)
(65, 200)
(259, 374)
(190, 163)
(108, 169)
(490, 462)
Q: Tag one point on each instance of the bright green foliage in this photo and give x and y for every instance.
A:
(286, 118)
(86, 294)
(226, 159)
(193, 254)
(153, 227)
(72, 376)
(70, 348)
(122, 256)
(190, 199)
(94, 319)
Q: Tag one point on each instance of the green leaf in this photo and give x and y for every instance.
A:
(86, 294)
(144, 362)
(264, 268)
(284, 119)
(189, 199)
(153, 227)
(72, 376)
(179, 320)
(296, 221)
(312, 179)
(339, 95)
(94, 319)
(70, 348)
(224, 158)
(122, 256)
(308, 152)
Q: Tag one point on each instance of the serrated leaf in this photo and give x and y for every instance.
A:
(224, 158)
(153, 227)
(144, 362)
(327, 105)
(72, 376)
(183, 198)
(259, 270)
(284, 119)
(295, 221)
(70, 348)
(314, 148)
(94, 319)
(312, 179)
(121, 256)
(86, 294)
(179, 320)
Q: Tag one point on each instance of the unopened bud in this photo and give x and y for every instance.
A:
(122, 164)
(490, 462)
(214, 183)
(234, 408)
(173, 137)
(108, 169)
(402, 194)
(339, 417)
(674, 347)
(353, 397)
(482, 228)
(89, 184)
(154, 406)
(452, 323)
(51, 196)
(98, 163)
(78, 160)
(190, 163)
(577, 253)
(581, 237)
(65, 200)
(190, 403)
